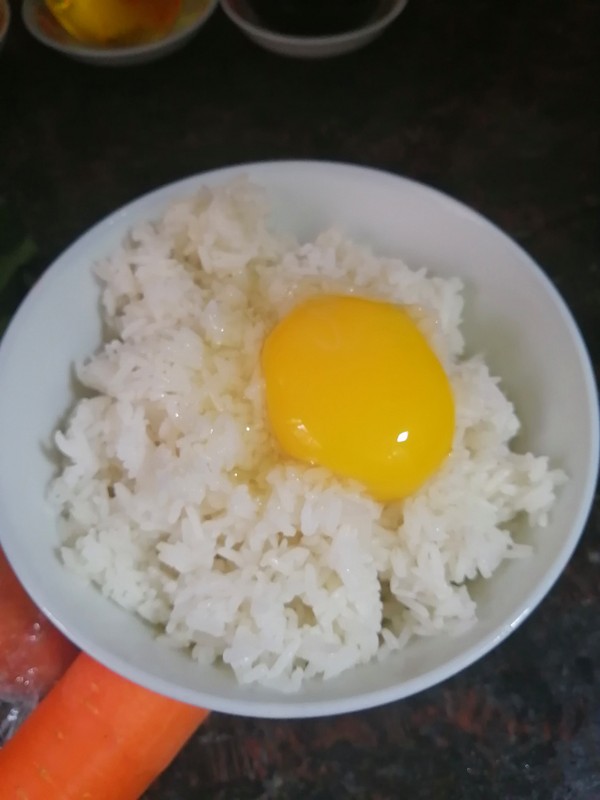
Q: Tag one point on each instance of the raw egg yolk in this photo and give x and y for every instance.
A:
(353, 385)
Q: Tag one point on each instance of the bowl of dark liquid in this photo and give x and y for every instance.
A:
(315, 17)
(312, 28)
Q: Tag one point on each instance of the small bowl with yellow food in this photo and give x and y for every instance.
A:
(114, 33)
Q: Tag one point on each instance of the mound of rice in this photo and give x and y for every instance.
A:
(176, 502)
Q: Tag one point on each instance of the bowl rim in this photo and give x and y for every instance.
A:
(289, 707)
(73, 47)
(255, 30)
(5, 7)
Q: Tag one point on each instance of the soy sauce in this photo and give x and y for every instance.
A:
(314, 17)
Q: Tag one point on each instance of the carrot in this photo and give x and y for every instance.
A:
(33, 654)
(95, 736)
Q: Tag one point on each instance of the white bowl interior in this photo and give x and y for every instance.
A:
(514, 316)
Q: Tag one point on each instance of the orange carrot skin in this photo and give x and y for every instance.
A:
(95, 736)
(33, 654)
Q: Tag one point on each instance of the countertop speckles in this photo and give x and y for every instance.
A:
(492, 102)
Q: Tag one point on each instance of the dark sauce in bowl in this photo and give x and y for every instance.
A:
(314, 17)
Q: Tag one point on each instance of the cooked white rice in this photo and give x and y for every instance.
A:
(178, 505)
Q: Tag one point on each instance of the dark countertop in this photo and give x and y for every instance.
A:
(492, 102)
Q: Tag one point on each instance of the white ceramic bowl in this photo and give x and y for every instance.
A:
(242, 15)
(514, 315)
(4, 20)
(41, 24)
